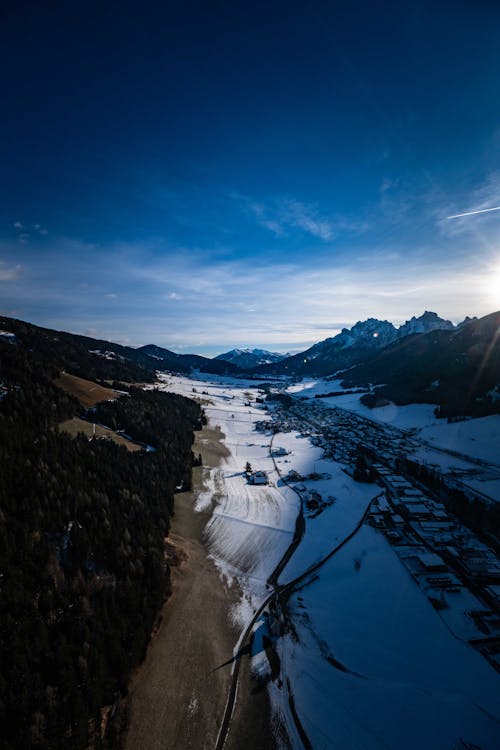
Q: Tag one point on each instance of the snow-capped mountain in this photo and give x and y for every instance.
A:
(247, 358)
(349, 347)
(371, 332)
(429, 321)
(355, 345)
(457, 368)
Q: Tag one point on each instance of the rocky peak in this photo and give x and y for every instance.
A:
(428, 321)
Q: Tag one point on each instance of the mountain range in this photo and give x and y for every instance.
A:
(353, 345)
(457, 368)
(426, 359)
(248, 358)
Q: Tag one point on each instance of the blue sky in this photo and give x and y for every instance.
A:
(209, 175)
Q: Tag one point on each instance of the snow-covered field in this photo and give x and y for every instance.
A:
(336, 521)
(479, 438)
(411, 416)
(371, 664)
(374, 667)
(251, 526)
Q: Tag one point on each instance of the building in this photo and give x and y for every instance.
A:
(258, 477)
(279, 452)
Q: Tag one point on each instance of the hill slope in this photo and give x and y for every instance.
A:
(104, 360)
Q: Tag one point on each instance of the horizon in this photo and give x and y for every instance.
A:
(218, 350)
(197, 175)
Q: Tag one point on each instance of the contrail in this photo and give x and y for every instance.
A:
(471, 213)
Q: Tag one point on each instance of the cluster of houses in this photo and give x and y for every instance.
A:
(459, 574)
(337, 431)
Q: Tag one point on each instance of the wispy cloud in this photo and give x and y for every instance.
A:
(284, 215)
(199, 299)
(307, 218)
(25, 231)
(9, 273)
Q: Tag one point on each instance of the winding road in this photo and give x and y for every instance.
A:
(279, 596)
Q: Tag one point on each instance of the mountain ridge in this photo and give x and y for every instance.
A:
(354, 345)
(248, 358)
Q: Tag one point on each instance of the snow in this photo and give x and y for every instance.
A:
(411, 416)
(204, 499)
(370, 663)
(479, 438)
(445, 461)
(374, 667)
(252, 525)
(336, 521)
(488, 487)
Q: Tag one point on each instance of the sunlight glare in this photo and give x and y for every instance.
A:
(492, 286)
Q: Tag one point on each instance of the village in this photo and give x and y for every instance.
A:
(458, 572)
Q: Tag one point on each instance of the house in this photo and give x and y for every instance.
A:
(294, 476)
(258, 477)
(430, 562)
(279, 452)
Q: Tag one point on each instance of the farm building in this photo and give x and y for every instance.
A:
(258, 477)
(279, 452)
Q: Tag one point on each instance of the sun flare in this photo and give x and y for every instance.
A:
(492, 286)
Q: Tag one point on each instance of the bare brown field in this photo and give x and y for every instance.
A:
(178, 695)
(87, 392)
(76, 425)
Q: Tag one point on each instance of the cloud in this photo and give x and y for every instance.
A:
(203, 300)
(11, 273)
(24, 236)
(284, 215)
(307, 218)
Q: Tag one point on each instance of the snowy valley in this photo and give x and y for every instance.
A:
(367, 606)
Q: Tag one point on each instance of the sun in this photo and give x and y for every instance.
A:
(492, 286)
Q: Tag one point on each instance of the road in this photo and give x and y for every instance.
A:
(279, 597)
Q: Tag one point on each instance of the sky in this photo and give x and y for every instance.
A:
(205, 175)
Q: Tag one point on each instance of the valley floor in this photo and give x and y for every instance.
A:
(342, 639)
(178, 695)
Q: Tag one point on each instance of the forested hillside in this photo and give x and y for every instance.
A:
(96, 358)
(82, 562)
(79, 355)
